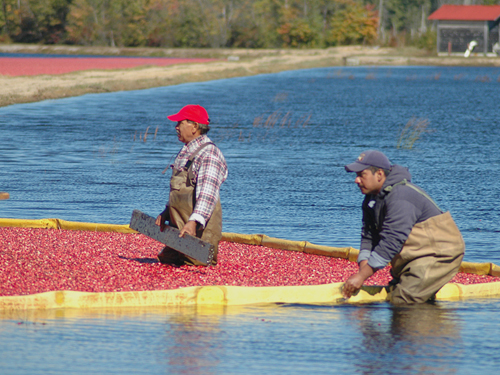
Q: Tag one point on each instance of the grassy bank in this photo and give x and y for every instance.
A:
(230, 63)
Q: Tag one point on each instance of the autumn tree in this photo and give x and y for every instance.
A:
(34, 21)
(127, 22)
(162, 22)
(87, 22)
(294, 27)
(217, 23)
(108, 22)
(257, 24)
(353, 23)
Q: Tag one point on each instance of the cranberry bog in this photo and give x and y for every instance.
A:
(53, 263)
(32, 65)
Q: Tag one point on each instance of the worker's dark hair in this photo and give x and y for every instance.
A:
(375, 169)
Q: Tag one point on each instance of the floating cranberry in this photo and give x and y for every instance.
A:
(34, 260)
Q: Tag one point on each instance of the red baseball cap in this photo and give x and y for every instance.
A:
(191, 112)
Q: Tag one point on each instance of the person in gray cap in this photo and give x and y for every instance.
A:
(402, 225)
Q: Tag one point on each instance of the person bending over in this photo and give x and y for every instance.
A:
(402, 225)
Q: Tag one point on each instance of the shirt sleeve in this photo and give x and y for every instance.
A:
(366, 236)
(212, 173)
(363, 255)
(366, 243)
(401, 216)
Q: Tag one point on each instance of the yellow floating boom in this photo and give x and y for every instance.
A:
(230, 295)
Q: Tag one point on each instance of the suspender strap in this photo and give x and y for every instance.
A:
(191, 158)
(193, 155)
(410, 185)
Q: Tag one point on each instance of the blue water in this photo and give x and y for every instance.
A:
(286, 138)
(449, 338)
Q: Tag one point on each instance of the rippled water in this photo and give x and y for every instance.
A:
(449, 338)
(81, 159)
(286, 138)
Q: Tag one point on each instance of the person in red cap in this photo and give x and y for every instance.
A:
(197, 175)
(403, 226)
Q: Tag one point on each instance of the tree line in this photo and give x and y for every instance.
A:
(221, 23)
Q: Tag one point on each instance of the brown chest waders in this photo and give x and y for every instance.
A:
(430, 257)
(182, 200)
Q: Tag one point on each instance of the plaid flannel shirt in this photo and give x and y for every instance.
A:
(210, 170)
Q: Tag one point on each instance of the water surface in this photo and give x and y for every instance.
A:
(448, 338)
(286, 138)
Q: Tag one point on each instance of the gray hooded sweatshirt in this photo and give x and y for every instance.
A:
(389, 217)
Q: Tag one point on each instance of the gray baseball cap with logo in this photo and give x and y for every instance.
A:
(367, 159)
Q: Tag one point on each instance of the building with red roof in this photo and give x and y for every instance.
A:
(463, 27)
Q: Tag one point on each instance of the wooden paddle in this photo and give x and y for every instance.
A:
(4, 195)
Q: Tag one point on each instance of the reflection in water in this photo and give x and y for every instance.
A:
(447, 338)
(417, 339)
(194, 344)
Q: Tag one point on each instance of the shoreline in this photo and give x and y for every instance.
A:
(231, 63)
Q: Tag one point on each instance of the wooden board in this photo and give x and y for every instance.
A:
(188, 245)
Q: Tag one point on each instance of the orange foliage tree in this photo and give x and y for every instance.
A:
(190, 23)
(353, 23)
(294, 29)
